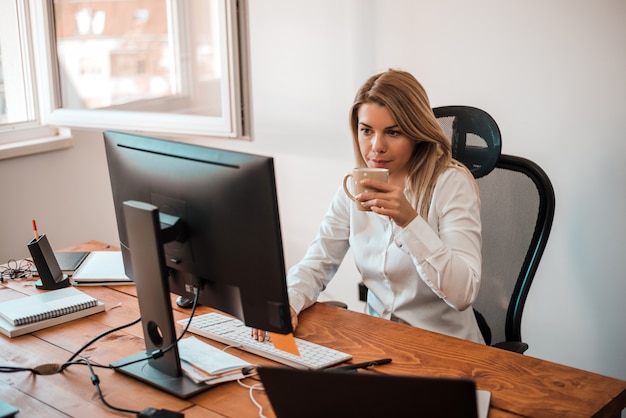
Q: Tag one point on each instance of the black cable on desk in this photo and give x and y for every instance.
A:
(159, 353)
(54, 368)
(95, 380)
(10, 369)
(14, 269)
(96, 338)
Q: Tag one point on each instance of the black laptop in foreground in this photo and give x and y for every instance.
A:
(329, 393)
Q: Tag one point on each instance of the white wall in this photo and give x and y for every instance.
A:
(553, 74)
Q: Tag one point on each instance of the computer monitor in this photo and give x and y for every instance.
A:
(193, 218)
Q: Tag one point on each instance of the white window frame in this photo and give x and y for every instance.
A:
(52, 120)
(30, 137)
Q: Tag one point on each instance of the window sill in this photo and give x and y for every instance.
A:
(62, 140)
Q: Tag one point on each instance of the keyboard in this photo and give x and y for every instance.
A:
(233, 332)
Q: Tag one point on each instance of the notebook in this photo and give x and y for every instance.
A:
(329, 393)
(31, 313)
(101, 268)
(69, 261)
(35, 308)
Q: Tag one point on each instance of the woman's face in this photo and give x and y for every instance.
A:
(381, 142)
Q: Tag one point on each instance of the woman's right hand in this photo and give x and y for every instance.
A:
(388, 200)
(260, 335)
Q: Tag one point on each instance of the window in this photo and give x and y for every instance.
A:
(164, 66)
(21, 130)
(15, 87)
(130, 59)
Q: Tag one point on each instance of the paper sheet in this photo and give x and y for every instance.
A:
(285, 342)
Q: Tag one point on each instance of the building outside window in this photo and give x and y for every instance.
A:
(132, 55)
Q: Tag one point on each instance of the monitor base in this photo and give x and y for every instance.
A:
(181, 386)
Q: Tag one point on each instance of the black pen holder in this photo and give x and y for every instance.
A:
(50, 274)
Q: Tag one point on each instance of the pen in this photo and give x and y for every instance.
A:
(365, 364)
(35, 230)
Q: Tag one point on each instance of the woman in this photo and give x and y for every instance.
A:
(419, 248)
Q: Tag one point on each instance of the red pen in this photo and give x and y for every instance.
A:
(35, 230)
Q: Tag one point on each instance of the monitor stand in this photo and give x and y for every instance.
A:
(145, 238)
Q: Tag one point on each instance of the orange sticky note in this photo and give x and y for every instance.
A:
(285, 342)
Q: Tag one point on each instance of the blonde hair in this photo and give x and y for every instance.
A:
(410, 107)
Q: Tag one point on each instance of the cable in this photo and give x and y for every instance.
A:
(54, 368)
(10, 369)
(95, 380)
(196, 297)
(251, 389)
(96, 338)
(16, 270)
(160, 352)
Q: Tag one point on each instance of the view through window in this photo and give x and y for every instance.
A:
(3, 101)
(16, 105)
(140, 55)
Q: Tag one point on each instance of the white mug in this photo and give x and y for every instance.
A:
(359, 174)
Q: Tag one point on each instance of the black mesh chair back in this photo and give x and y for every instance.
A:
(517, 209)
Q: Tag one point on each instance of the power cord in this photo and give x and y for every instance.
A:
(54, 368)
(160, 352)
(251, 389)
(96, 338)
(95, 380)
(10, 369)
(16, 270)
(146, 413)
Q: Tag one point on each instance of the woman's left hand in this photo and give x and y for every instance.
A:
(389, 200)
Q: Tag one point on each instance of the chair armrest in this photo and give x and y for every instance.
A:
(515, 346)
(336, 303)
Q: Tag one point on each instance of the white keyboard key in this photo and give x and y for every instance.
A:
(233, 332)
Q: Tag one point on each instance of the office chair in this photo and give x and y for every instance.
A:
(517, 209)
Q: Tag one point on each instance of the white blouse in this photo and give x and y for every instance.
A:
(426, 274)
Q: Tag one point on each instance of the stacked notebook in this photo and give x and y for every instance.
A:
(31, 313)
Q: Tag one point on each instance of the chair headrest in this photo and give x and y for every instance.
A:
(474, 135)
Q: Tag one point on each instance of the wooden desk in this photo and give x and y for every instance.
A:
(520, 385)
